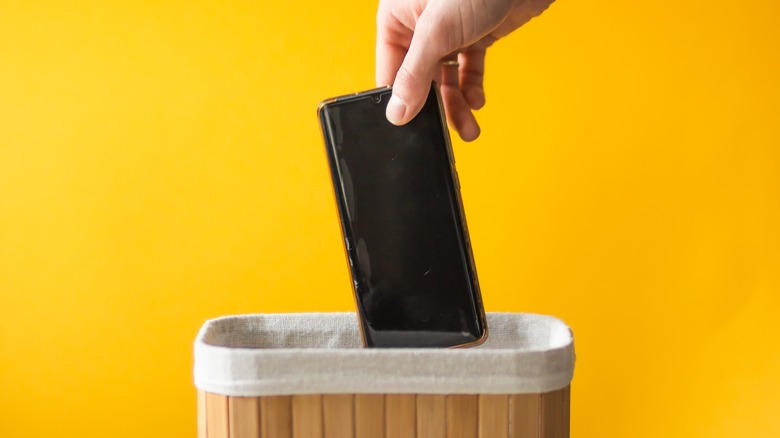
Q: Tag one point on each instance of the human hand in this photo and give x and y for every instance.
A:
(419, 41)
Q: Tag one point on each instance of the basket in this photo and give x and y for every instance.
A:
(306, 375)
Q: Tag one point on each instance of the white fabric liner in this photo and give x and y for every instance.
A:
(321, 353)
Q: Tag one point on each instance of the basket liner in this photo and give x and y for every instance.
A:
(321, 353)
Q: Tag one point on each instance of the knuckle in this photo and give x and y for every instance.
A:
(404, 80)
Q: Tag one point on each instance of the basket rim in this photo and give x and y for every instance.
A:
(320, 353)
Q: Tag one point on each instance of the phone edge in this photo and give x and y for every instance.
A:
(467, 238)
(320, 110)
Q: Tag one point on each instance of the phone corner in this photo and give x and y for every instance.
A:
(485, 332)
(322, 105)
(483, 338)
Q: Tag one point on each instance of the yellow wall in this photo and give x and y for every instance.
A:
(161, 164)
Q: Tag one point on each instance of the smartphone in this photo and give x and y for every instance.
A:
(402, 221)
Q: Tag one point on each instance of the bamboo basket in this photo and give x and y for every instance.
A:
(305, 375)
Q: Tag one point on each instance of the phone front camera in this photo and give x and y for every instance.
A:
(376, 98)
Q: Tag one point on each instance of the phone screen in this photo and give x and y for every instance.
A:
(405, 237)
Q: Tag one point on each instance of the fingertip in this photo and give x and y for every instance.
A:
(396, 111)
(470, 131)
(475, 97)
(459, 114)
(409, 95)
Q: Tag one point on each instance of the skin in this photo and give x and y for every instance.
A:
(414, 37)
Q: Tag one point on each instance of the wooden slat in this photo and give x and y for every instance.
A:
(552, 414)
(244, 415)
(201, 414)
(400, 416)
(369, 416)
(524, 416)
(276, 417)
(462, 416)
(493, 416)
(217, 414)
(307, 416)
(567, 411)
(431, 422)
(338, 416)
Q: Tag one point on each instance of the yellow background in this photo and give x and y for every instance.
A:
(161, 164)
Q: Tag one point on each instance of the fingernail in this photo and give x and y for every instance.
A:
(395, 110)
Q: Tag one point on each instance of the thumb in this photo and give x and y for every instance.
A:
(413, 80)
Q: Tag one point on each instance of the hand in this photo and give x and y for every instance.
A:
(419, 41)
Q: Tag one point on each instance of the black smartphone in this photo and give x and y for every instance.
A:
(402, 221)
